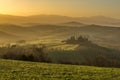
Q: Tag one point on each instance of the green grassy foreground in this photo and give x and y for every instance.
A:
(20, 70)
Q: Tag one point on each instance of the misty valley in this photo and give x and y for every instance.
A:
(59, 40)
(17, 41)
(71, 43)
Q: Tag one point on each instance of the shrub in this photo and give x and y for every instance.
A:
(34, 53)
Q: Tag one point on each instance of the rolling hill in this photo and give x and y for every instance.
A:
(102, 35)
(12, 70)
(6, 36)
(55, 19)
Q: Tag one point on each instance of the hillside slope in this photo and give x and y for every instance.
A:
(4, 36)
(19, 70)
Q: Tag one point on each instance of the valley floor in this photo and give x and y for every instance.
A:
(20, 70)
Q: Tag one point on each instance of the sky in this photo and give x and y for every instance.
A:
(74, 8)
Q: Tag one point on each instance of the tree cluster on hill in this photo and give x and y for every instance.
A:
(93, 54)
(81, 40)
(87, 53)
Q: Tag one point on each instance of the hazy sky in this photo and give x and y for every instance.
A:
(61, 7)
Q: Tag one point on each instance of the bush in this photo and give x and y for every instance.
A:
(33, 53)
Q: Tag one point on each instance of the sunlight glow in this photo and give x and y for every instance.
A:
(60, 7)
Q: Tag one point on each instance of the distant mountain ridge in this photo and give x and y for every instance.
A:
(55, 19)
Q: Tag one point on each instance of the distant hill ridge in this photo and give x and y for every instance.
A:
(73, 23)
(55, 19)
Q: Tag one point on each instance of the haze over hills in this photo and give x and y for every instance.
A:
(103, 35)
(56, 27)
(69, 32)
(55, 19)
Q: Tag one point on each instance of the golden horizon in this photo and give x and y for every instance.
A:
(72, 8)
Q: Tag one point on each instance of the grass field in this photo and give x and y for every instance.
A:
(20, 70)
